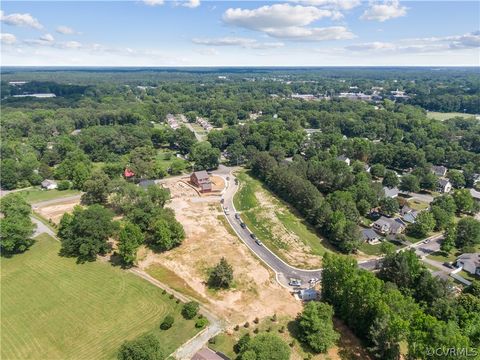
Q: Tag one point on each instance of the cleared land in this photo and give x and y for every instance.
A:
(348, 348)
(255, 291)
(54, 212)
(445, 116)
(36, 194)
(53, 308)
(278, 225)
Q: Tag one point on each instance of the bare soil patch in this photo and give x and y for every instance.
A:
(55, 212)
(255, 292)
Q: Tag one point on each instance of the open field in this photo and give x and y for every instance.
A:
(53, 308)
(54, 212)
(278, 225)
(445, 116)
(36, 194)
(185, 268)
(348, 348)
(166, 157)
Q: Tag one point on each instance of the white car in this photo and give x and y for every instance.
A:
(226, 211)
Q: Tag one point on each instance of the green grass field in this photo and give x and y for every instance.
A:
(445, 116)
(53, 308)
(247, 203)
(165, 158)
(36, 194)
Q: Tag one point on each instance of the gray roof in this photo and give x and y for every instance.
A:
(368, 234)
(439, 170)
(443, 182)
(390, 192)
(475, 194)
(342, 158)
(469, 257)
(47, 182)
(384, 221)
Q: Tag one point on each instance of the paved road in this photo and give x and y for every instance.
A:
(282, 270)
(42, 228)
(56, 201)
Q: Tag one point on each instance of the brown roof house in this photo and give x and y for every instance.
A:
(202, 180)
(207, 354)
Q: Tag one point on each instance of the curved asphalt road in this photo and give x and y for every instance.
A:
(282, 270)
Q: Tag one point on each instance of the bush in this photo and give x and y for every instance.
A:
(246, 325)
(167, 322)
(201, 323)
(212, 340)
(236, 328)
(256, 331)
(190, 310)
(63, 185)
(221, 276)
(257, 320)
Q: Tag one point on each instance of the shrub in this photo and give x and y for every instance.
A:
(190, 309)
(256, 331)
(221, 276)
(63, 185)
(236, 328)
(167, 322)
(146, 347)
(256, 321)
(201, 323)
(246, 325)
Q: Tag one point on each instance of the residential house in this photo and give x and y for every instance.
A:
(444, 186)
(469, 262)
(49, 184)
(389, 226)
(475, 194)
(390, 192)
(202, 180)
(207, 354)
(370, 236)
(439, 171)
(308, 294)
(344, 158)
(408, 214)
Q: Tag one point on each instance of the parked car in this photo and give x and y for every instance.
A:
(237, 216)
(252, 235)
(295, 282)
(227, 211)
(258, 242)
(448, 264)
(243, 225)
(236, 181)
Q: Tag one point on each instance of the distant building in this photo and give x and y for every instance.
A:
(469, 262)
(389, 226)
(146, 183)
(475, 194)
(207, 354)
(444, 186)
(308, 294)
(344, 158)
(128, 173)
(370, 236)
(39, 96)
(439, 171)
(390, 192)
(202, 180)
(49, 184)
(17, 83)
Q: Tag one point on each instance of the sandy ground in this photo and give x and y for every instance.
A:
(56, 211)
(255, 293)
(298, 254)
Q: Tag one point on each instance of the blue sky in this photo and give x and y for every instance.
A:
(240, 33)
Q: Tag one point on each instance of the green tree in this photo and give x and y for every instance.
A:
(424, 224)
(167, 322)
(80, 174)
(266, 347)
(183, 139)
(389, 206)
(205, 156)
(463, 200)
(165, 232)
(129, 240)
(85, 232)
(190, 309)
(221, 276)
(378, 170)
(443, 219)
(449, 237)
(390, 179)
(468, 234)
(456, 178)
(142, 162)
(146, 347)
(410, 183)
(96, 189)
(16, 228)
(316, 326)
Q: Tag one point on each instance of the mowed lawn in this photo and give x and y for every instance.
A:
(54, 308)
(445, 116)
(36, 194)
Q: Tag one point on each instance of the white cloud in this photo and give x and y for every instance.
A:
(7, 38)
(153, 2)
(237, 41)
(71, 45)
(276, 16)
(386, 11)
(422, 45)
(285, 21)
(311, 34)
(47, 38)
(191, 3)
(17, 19)
(65, 30)
(333, 4)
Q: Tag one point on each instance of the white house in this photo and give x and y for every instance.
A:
(344, 158)
(49, 184)
(444, 186)
(387, 226)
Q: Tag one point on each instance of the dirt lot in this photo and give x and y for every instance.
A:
(55, 212)
(255, 293)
